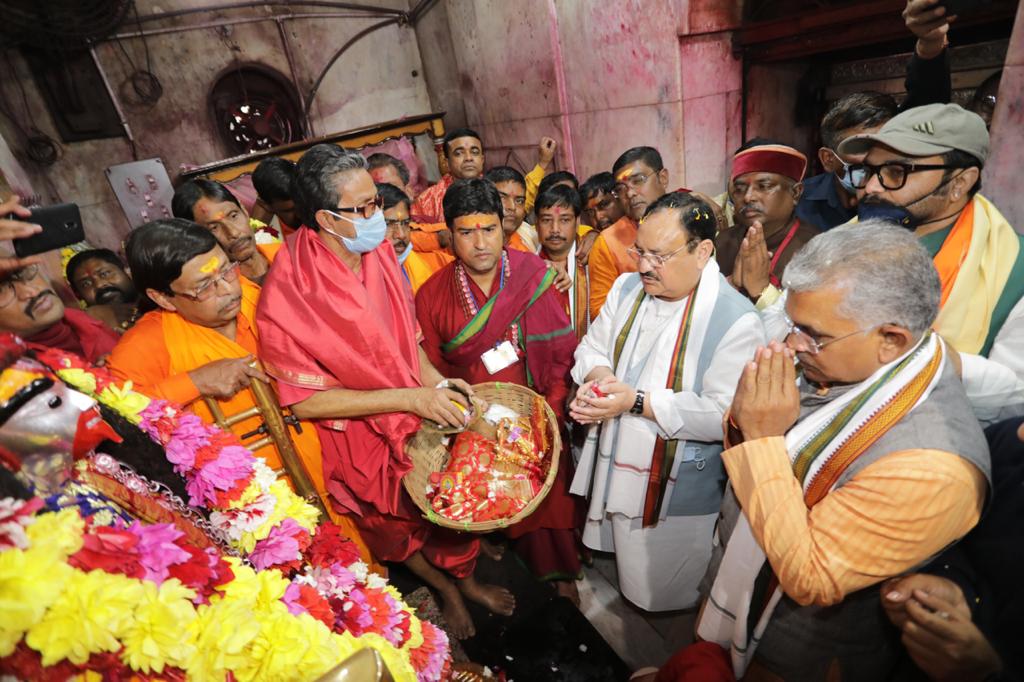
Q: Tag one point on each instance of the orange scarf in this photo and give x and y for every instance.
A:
(954, 250)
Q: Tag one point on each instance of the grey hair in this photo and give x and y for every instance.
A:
(887, 276)
(314, 187)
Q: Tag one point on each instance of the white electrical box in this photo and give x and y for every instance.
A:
(143, 189)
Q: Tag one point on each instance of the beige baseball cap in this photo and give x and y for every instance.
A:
(927, 131)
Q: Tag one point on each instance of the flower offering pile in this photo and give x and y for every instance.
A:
(495, 468)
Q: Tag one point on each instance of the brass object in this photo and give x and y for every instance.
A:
(273, 431)
(364, 665)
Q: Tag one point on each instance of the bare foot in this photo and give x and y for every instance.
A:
(568, 589)
(493, 551)
(460, 624)
(495, 599)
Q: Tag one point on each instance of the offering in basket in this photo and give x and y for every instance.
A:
(495, 468)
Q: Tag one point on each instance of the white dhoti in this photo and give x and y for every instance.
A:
(661, 566)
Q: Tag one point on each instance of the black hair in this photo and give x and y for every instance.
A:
(853, 111)
(551, 179)
(158, 250)
(456, 134)
(599, 183)
(559, 195)
(505, 174)
(272, 179)
(79, 259)
(314, 186)
(649, 156)
(189, 194)
(392, 196)
(380, 160)
(695, 216)
(467, 196)
(961, 159)
(758, 142)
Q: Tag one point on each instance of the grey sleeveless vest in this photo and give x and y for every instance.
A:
(805, 642)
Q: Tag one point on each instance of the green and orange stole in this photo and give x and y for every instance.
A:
(521, 313)
(822, 446)
(664, 455)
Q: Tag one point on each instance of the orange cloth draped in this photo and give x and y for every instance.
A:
(516, 242)
(419, 267)
(323, 326)
(269, 250)
(423, 236)
(951, 256)
(158, 352)
(609, 259)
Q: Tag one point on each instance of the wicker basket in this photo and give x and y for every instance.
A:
(429, 455)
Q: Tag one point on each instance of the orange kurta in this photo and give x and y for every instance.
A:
(609, 259)
(159, 351)
(419, 267)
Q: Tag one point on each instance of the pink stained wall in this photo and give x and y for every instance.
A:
(1002, 180)
(599, 77)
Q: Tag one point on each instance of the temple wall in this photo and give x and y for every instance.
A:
(380, 78)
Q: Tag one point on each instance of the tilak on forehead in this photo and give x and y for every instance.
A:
(210, 265)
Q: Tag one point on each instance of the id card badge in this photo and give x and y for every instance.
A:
(501, 356)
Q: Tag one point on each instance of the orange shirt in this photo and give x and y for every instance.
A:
(889, 518)
(609, 259)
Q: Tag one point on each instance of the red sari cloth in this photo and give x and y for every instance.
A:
(547, 538)
(78, 333)
(323, 326)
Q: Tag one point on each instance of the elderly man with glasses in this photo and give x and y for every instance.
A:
(197, 337)
(338, 332)
(852, 457)
(656, 371)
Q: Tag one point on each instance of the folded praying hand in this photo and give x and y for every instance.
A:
(767, 402)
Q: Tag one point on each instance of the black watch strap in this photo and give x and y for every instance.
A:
(638, 404)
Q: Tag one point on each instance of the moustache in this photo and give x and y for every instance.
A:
(110, 295)
(239, 244)
(753, 208)
(650, 275)
(35, 301)
(230, 304)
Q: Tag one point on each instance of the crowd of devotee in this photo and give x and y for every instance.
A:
(796, 407)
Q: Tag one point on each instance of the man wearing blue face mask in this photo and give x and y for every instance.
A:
(830, 199)
(337, 331)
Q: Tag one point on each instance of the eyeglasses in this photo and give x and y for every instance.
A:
(22, 276)
(635, 181)
(398, 224)
(228, 274)
(366, 210)
(810, 344)
(656, 260)
(892, 174)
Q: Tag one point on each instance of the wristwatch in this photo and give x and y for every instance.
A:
(638, 404)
